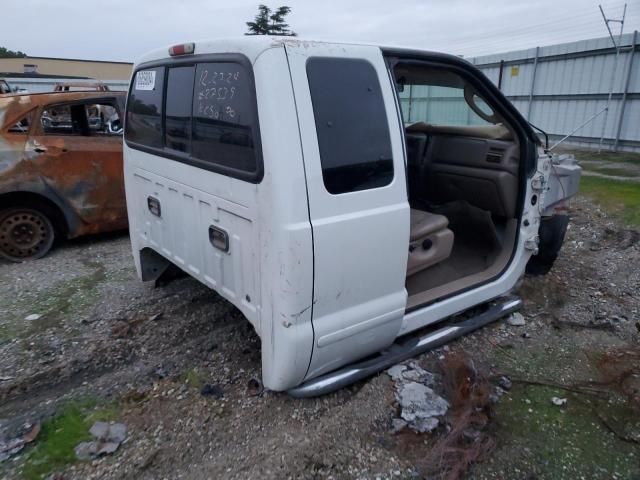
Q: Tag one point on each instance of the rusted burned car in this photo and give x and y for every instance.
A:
(60, 169)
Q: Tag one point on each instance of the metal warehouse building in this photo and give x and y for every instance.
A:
(559, 87)
(39, 74)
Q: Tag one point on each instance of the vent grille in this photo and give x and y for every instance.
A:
(495, 155)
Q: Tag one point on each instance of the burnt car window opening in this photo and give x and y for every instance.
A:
(83, 119)
(22, 125)
(351, 123)
(209, 116)
(103, 119)
(58, 120)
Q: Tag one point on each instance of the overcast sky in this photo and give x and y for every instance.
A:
(124, 29)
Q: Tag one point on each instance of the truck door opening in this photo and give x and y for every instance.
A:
(463, 166)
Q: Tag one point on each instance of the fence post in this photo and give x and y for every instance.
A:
(533, 82)
(626, 89)
(500, 72)
(410, 102)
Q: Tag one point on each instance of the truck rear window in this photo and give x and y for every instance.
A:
(144, 108)
(208, 118)
(351, 123)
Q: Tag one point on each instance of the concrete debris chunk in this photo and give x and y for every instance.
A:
(411, 372)
(86, 450)
(107, 439)
(419, 402)
(395, 372)
(100, 430)
(425, 425)
(397, 425)
(420, 406)
(118, 432)
(516, 319)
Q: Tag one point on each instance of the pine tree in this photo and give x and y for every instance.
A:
(268, 22)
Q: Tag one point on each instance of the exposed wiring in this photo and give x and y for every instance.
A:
(546, 136)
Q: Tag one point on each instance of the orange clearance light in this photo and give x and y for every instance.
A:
(183, 49)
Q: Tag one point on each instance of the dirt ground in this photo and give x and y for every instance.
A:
(108, 344)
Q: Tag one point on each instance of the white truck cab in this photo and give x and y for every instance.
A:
(343, 197)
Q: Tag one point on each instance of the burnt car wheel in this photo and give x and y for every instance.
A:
(25, 234)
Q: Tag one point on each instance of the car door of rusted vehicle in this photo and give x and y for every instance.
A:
(80, 158)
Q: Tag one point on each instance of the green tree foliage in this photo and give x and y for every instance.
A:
(268, 22)
(6, 53)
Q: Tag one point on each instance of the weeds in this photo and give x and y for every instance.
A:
(620, 197)
(467, 441)
(194, 378)
(54, 447)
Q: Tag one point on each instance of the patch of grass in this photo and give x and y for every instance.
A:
(194, 378)
(619, 197)
(54, 304)
(623, 157)
(606, 170)
(539, 439)
(123, 275)
(560, 442)
(54, 447)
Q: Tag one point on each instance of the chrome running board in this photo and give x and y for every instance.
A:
(405, 348)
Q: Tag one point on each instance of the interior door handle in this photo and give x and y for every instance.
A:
(40, 149)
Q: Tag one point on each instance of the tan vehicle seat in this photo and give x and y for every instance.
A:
(430, 241)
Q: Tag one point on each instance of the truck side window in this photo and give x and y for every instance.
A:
(351, 124)
(144, 108)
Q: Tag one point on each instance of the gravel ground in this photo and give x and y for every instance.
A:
(103, 334)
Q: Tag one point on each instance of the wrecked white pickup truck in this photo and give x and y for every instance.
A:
(343, 197)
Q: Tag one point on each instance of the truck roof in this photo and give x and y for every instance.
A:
(253, 45)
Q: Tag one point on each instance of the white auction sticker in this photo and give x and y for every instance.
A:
(145, 80)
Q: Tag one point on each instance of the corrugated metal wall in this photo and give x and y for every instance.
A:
(438, 105)
(559, 87)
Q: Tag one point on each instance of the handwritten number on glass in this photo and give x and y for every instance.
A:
(214, 89)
